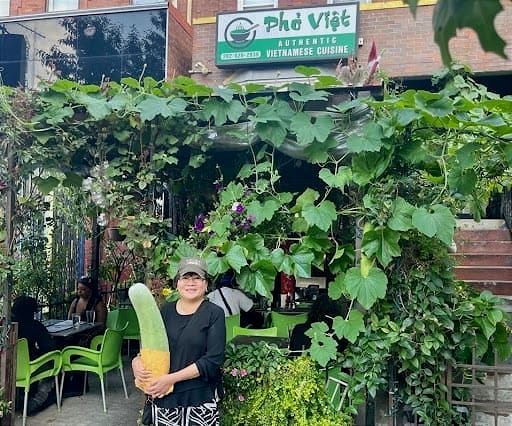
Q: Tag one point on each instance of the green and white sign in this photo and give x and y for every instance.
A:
(287, 35)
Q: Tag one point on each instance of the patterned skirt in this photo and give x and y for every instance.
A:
(206, 414)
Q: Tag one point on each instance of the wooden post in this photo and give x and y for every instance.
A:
(8, 370)
(8, 354)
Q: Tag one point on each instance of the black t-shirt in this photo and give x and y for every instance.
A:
(39, 340)
(198, 338)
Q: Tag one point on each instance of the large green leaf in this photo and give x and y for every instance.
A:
(262, 211)
(323, 347)
(438, 221)
(302, 92)
(462, 181)
(371, 140)
(337, 287)
(302, 259)
(366, 290)
(321, 216)
(451, 15)
(381, 242)
(222, 111)
(401, 219)
(369, 165)
(236, 257)
(308, 128)
(349, 328)
(259, 278)
(341, 179)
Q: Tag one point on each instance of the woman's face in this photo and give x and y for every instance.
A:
(83, 291)
(191, 287)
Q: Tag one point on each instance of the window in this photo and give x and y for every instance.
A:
(59, 5)
(256, 4)
(4, 7)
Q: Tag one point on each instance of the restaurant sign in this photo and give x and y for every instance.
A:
(287, 35)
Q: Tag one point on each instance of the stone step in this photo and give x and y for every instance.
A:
(467, 224)
(479, 259)
(499, 288)
(483, 273)
(482, 235)
(485, 247)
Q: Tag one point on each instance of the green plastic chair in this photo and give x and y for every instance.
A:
(112, 319)
(132, 332)
(28, 372)
(286, 322)
(108, 357)
(335, 387)
(231, 321)
(262, 332)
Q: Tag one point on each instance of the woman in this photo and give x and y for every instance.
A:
(88, 299)
(197, 334)
(234, 301)
(39, 342)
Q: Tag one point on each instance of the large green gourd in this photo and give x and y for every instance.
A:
(154, 344)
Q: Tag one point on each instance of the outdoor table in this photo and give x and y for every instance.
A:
(65, 328)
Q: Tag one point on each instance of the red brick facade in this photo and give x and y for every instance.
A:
(405, 43)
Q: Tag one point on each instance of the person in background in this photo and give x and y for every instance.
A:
(197, 334)
(87, 299)
(322, 309)
(234, 301)
(39, 343)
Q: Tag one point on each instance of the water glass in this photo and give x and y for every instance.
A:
(90, 316)
(76, 320)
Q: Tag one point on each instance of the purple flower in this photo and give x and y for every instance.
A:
(198, 224)
(243, 372)
(241, 398)
(218, 186)
(237, 207)
(251, 218)
(234, 372)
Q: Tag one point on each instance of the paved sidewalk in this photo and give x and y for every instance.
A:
(88, 410)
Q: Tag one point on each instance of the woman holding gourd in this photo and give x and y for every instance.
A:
(196, 333)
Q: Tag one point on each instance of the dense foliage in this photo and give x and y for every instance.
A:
(284, 181)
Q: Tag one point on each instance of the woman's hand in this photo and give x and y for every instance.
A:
(141, 375)
(159, 387)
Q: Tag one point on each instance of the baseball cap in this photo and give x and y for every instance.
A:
(194, 265)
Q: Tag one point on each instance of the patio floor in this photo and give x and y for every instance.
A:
(88, 410)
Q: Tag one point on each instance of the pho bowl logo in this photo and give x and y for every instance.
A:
(240, 33)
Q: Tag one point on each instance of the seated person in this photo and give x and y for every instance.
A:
(323, 309)
(39, 343)
(87, 299)
(234, 301)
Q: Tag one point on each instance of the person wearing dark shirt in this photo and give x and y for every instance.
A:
(39, 343)
(196, 333)
(322, 309)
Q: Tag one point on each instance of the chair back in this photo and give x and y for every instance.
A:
(336, 388)
(112, 319)
(262, 332)
(128, 315)
(286, 322)
(231, 322)
(111, 347)
(22, 360)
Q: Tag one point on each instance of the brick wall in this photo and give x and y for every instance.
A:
(405, 43)
(179, 53)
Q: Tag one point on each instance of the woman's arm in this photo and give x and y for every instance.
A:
(101, 312)
(72, 308)
(159, 387)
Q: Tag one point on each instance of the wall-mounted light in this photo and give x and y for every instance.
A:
(89, 30)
